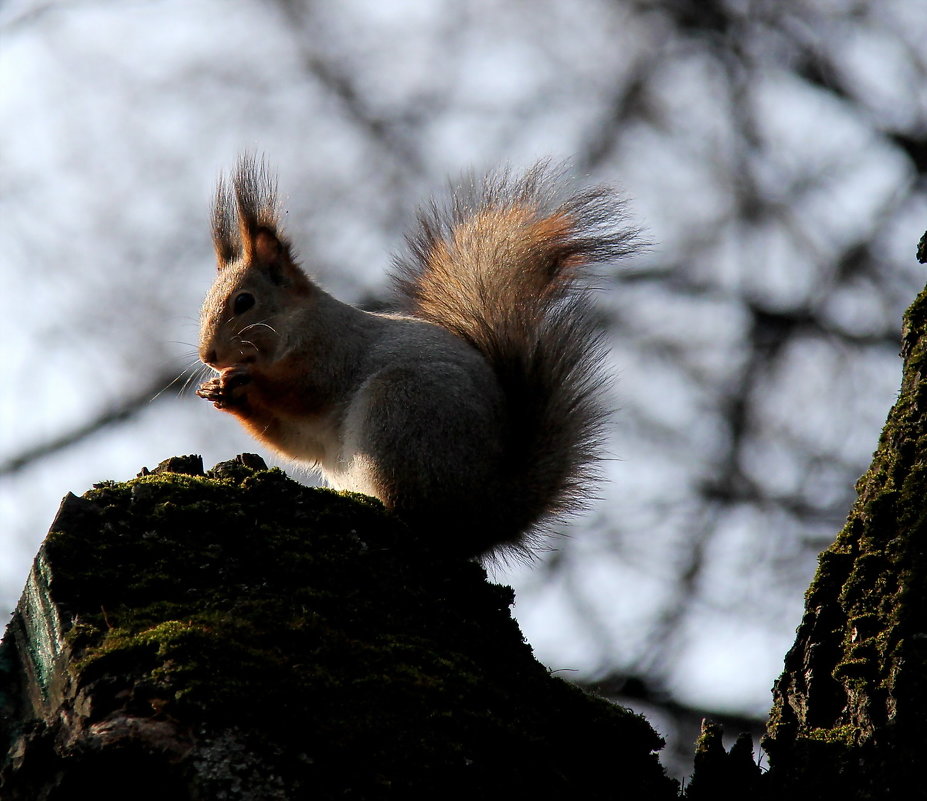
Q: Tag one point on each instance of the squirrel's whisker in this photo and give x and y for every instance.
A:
(254, 325)
(174, 381)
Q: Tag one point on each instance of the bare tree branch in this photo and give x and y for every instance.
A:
(119, 413)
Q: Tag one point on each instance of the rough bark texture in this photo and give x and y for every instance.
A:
(850, 713)
(239, 636)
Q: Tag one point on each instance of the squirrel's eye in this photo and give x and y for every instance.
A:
(243, 301)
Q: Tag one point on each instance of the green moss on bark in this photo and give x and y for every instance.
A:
(850, 705)
(242, 636)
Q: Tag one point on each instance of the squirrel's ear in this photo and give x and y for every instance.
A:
(271, 252)
(265, 246)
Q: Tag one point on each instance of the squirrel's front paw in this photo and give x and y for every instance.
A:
(225, 389)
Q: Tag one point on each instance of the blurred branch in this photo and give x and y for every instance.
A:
(379, 129)
(119, 413)
(10, 19)
(914, 147)
(629, 101)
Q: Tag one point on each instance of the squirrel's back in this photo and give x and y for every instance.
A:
(502, 267)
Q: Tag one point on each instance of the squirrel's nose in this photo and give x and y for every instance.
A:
(209, 357)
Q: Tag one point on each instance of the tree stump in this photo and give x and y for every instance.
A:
(239, 636)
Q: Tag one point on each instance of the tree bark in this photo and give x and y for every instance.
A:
(239, 636)
(851, 705)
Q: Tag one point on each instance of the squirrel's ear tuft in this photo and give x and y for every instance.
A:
(224, 230)
(255, 190)
(245, 225)
(243, 207)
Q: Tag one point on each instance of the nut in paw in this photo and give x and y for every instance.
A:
(225, 389)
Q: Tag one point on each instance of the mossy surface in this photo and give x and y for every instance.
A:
(324, 644)
(850, 706)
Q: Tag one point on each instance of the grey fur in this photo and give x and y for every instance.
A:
(477, 414)
(541, 338)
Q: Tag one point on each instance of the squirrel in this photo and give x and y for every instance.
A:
(475, 412)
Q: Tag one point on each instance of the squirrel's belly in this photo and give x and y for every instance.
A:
(358, 474)
(312, 442)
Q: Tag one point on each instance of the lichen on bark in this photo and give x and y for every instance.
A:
(849, 710)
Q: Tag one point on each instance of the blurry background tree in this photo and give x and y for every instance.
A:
(775, 154)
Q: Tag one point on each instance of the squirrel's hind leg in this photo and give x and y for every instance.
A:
(428, 442)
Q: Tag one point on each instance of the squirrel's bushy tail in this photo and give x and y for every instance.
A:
(501, 266)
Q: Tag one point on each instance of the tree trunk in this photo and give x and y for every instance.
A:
(850, 712)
